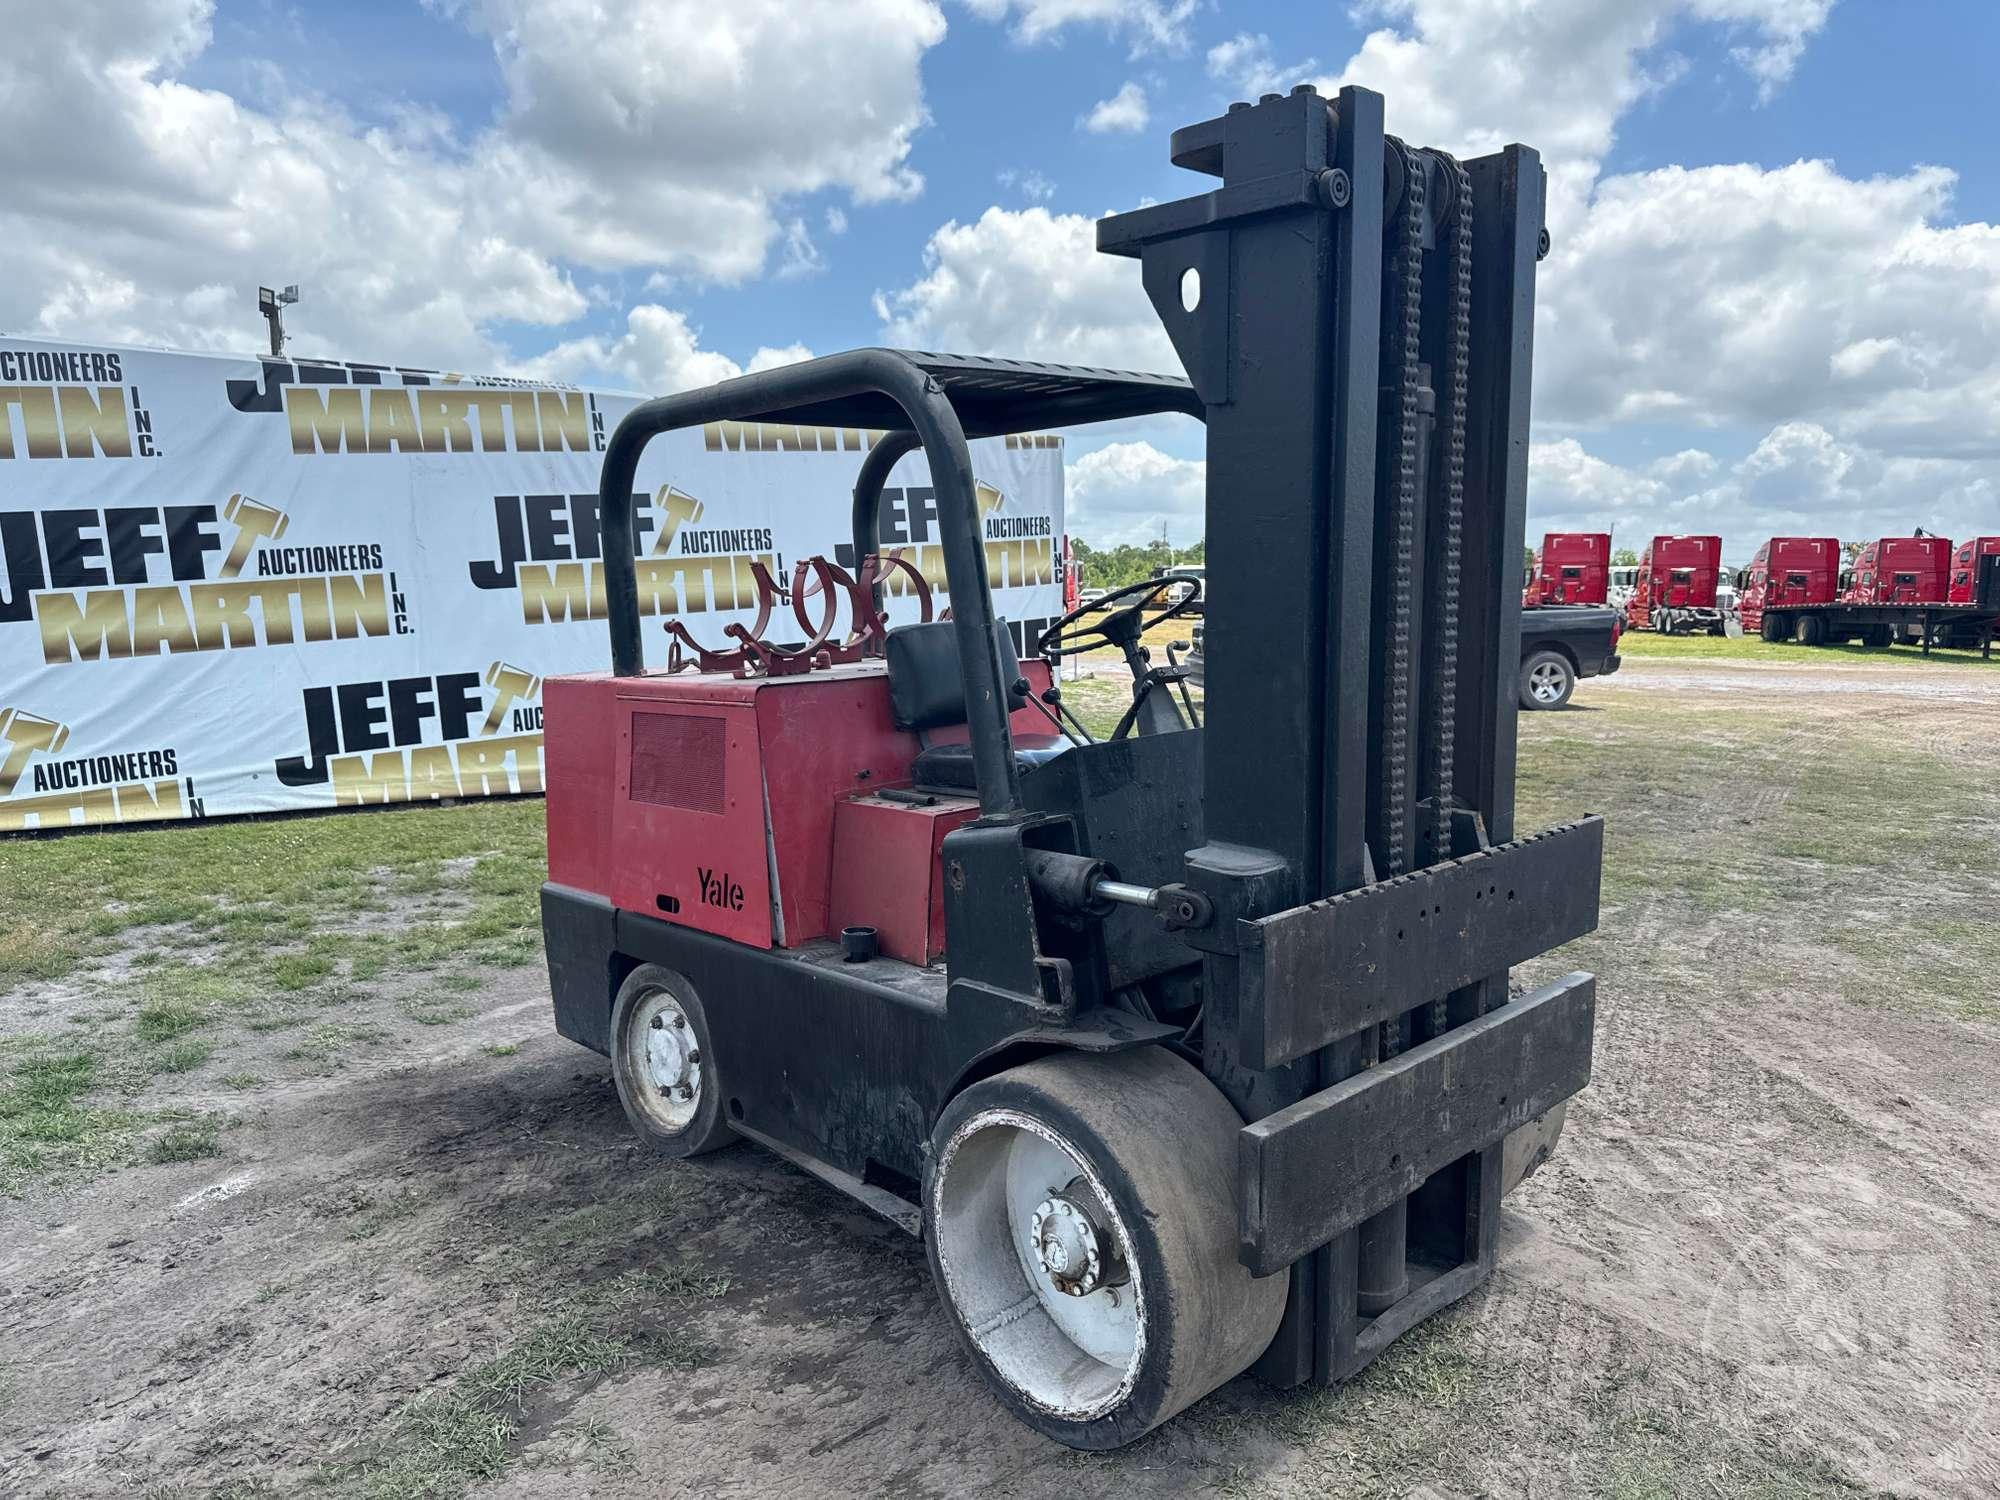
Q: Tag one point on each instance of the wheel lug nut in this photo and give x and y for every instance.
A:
(680, 1022)
(659, 1023)
(694, 1058)
(686, 1092)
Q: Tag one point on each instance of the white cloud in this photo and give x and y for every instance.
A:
(801, 256)
(1028, 284)
(156, 222)
(1029, 183)
(658, 353)
(1148, 25)
(1737, 295)
(1471, 75)
(836, 220)
(1125, 113)
(1244, 62)
(1127, 492)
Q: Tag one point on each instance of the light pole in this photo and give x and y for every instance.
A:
(272, 305)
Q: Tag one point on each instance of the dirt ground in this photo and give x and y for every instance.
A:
(424, 1258)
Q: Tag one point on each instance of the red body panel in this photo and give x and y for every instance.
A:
(1901, 570)
(711, 802)
(1790, 570)
(887, 872)
(1574, 567)
(1965, 569)
(1675, 572)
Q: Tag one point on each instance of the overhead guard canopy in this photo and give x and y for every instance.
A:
(994, 397)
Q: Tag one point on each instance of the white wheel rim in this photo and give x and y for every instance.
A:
(664, 1061)
(1545, 682)
(1010, 1200)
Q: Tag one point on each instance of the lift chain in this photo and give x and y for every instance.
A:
(1407, 283)
(1404, 341)
(1443, 640)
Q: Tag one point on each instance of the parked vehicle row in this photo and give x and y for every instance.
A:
(1920, 588)
(1899, 589)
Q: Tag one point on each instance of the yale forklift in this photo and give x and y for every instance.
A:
(1189, 1050)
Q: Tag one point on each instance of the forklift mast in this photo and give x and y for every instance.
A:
(1367, 478)
(1294, 923)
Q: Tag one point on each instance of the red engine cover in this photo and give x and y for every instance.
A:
(709, 801)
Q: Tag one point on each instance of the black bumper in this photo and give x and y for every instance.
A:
(579, 934)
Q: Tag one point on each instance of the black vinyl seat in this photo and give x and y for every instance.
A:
(927, 691)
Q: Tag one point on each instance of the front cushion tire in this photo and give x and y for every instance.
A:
(1080, 1218)
(664, 1064)
(1547, 680)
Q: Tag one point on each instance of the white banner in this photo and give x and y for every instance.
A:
(243, 585)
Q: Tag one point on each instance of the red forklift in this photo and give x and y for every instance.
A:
(1573, 567)
(1786, 572)
(1187, 1048)
(1675, 592)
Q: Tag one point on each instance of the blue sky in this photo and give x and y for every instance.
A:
(1728, 341)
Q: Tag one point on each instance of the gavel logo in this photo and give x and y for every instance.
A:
(257, 522)
(25, 733)
(678, 508)
(511, 684)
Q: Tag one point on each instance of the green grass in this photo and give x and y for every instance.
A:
(163, 1020)
(47, 1129)
(187, 1140)
(245, 883)
(327, 1047)
(183, 1056)
(441, 1444)
(1646, 643)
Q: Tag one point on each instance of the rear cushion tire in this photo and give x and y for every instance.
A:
(1775, 627)
(672, 1125)
(1155, 1146)
(1812, 630)
(1547, 680)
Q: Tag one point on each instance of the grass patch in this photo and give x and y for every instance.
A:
(186, 1140)
(1646, 643)
(183, 1056)
(260, 877)
(292, 972)
(163, 1020)
(47, 1132)
(325, 1047)
(436, 1010)
(443, 1443)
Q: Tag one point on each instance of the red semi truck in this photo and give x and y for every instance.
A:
(1790, 570)
(1913, 588)
(1675, 593)
(1573, 567)
(1901, 570)
(1965, 567)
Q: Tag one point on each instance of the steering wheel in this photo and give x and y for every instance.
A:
(1120, 626)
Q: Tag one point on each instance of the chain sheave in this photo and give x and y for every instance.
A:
(1443, 639)
(1408, 284)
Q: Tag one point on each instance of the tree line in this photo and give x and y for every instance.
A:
(1114, 567)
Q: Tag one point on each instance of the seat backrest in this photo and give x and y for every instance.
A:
(926, 687)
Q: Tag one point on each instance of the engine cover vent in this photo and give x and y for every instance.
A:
(678, 760)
